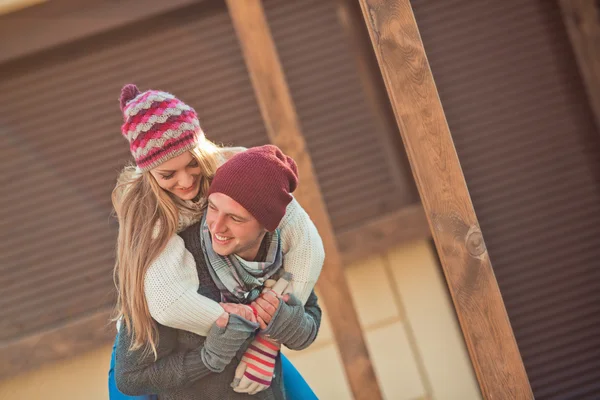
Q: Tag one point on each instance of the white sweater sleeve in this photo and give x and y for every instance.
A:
(171, 288)
(303, 252)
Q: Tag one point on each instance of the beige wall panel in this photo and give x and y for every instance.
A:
(84, 377)
(394, 363)
(437, 334)
(372, 292)
(322, 368)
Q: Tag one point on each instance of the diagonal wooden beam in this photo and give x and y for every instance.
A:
(282, 125)
(582, 20)
(454, 226)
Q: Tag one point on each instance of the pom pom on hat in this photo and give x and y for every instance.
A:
(128, 93)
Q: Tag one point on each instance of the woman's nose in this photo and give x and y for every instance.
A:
(186, 180)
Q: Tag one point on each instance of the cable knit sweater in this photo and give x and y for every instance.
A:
(171, 282)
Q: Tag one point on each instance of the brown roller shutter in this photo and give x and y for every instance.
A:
(62, 148)
(345, 141)
(531, 157)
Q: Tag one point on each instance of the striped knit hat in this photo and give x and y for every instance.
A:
(157, 125)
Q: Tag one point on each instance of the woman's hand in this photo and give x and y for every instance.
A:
(266, 306)
(241, 310)
(222, 321)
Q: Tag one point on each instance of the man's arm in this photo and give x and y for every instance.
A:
(137, 372)
(294, 325)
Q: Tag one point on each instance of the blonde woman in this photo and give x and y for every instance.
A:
(161, 195)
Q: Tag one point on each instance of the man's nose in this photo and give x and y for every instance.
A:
(219, 224)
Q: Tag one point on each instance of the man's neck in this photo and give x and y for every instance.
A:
(263, 249)
(260, 254)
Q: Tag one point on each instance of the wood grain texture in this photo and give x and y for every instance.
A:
(382, 234)
(582, 20)
(284, 131)
(454, 226)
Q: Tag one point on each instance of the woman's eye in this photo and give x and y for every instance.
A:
(166, 177)
(193, 165)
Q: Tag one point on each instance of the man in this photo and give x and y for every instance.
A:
(237, 250)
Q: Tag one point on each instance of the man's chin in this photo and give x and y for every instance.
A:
(221, 251)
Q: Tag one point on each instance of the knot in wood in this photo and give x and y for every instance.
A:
(475, 244)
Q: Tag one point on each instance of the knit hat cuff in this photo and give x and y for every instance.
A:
(166, 156)
(268, 213)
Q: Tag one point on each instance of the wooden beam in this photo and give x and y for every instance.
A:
(582, 20)
(454, 226)
(384, 233)
(283, 129)
(62, 342)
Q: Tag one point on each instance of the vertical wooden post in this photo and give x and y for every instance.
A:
(283, 129)
(459, 241)
(582, 20)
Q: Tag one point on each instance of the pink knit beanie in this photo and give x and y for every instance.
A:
(157, 125)
(261, 179)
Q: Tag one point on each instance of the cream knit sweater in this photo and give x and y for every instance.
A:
(171, 282)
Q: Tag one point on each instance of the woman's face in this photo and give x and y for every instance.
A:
(180, 176)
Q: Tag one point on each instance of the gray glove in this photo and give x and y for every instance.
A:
(222, 344)
(295, 325)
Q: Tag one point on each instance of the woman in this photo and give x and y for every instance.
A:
(161, 195)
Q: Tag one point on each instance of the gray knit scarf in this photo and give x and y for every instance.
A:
(238, 280)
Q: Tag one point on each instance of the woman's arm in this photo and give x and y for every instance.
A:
(171, 289)
(303, 252)
(137, 372)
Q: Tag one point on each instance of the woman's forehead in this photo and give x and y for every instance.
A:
(179, 162)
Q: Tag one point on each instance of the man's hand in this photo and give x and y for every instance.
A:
(242, 310)
(266, 305)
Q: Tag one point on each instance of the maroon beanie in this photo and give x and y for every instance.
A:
(261, 179)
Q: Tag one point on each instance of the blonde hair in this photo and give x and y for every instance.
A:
(148, 217)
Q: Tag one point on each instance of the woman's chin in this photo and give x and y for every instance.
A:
(187, 195)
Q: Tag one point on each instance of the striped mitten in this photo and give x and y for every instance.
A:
(255, 371)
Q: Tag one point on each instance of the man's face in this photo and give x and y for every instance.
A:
(232, 228)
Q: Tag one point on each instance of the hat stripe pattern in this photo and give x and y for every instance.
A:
(170, 134)
(151, 119)
(159, 127)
